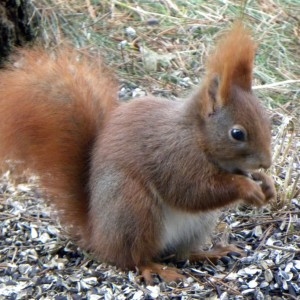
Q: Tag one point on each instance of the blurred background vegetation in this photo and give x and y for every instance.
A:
(160, 46)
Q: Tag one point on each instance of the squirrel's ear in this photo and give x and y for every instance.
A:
(207, 98)
(232, 61)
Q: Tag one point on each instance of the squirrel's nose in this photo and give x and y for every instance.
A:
(266, 161)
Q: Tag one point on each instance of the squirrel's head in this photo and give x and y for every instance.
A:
(235, 129)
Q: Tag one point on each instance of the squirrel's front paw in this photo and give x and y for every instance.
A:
(251, 192)
(258, 190)
(267, 185)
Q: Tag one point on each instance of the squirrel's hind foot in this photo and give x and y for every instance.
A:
(168, 274)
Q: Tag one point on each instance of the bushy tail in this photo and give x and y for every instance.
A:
(51, 109)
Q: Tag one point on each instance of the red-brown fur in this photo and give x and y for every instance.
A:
(51, 109)
(115, 170)
(233, 59)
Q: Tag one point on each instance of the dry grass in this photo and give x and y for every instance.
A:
(184, 29)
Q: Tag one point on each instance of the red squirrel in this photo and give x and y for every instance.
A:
(145, 178)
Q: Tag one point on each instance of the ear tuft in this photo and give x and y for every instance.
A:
(232, 61)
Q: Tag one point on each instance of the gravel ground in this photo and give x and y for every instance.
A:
(37, 261)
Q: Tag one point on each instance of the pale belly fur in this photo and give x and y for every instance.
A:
(184, 231)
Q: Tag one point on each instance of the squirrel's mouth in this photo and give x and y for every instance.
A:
(235, 169)
(242, 172)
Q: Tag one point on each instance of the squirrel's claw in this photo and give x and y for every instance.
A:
(217, 252)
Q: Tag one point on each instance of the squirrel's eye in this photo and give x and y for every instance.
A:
(238, 134)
